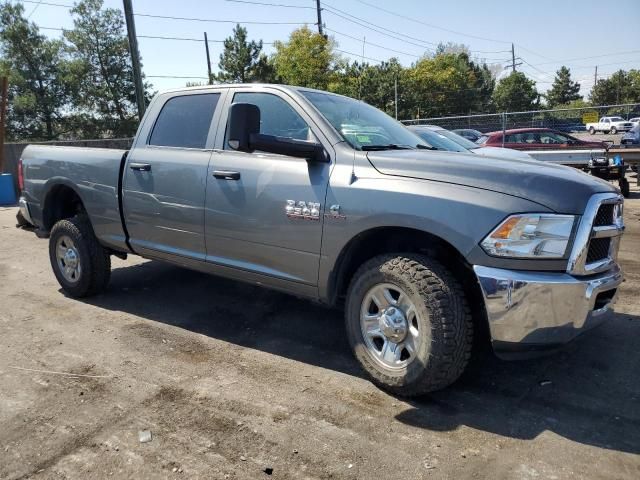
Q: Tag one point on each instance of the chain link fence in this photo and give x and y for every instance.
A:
(564, 119)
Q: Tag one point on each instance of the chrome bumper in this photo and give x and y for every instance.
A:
(24, 210)
(538, 310)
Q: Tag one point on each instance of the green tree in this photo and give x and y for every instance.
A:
(515, 93)
(450, 83)
(306, 59)
(101, 73)
(241, 61)
(621, 87)
(36, 66)
(563, 90)
(374, 84)
(264, 71)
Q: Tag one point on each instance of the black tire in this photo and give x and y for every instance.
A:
(592, 131)
(624, 187)
(94, 259)
(442, 312)
(613, 130)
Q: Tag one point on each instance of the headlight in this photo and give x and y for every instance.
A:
(531, 236)
(612, 162)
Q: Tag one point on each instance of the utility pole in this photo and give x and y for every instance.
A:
(396, 94)
(3, 119)
(595, 77)
(319, 10)
(135, 56)
(513, 58)
(206, 47)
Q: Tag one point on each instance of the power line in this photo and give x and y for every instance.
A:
(371, 43)
(34, 9)
(214, 20)
(429, 24)
(359, 55)
(266, 4)
(187, 77)
(189, 19)
(588, 58)
(366, 24)
(159, 37)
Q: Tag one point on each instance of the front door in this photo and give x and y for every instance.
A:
(165, 178)
(265, 211)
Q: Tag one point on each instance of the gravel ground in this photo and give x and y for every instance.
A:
(237, 382)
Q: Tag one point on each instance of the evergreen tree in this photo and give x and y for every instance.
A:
(563, 90)
(36, 67)
(102, 74)
(241, 61)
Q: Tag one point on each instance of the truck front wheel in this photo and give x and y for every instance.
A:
(408, 323)
(81, 265)
(592, 131)
(613, 130)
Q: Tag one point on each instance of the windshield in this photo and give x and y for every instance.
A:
(363, 126)
(435, 139)
(454, 137)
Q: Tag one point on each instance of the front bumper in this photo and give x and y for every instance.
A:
(533, 311)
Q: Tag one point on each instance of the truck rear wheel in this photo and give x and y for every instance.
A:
(408, 323)
(613, 130)
(81, 265)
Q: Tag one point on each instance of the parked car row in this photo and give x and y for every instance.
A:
(537, 139)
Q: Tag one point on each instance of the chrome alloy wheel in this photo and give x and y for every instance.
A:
(389, 324)
(68, 259)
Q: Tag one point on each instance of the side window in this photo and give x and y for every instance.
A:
(277, 117)
(184, 121)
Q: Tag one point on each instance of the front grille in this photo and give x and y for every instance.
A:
(598, 249)
(604, 215)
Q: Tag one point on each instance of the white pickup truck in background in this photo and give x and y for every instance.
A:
(610, 125)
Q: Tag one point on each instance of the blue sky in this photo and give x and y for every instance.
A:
(546, 33)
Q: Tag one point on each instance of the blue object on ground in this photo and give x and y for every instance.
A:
(617, 161)
(7, 190)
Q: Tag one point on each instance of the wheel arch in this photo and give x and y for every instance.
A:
(380, 240)
(393, 239)
(62, 200)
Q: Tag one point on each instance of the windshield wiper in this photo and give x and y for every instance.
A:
(427, 147)
(389, 146)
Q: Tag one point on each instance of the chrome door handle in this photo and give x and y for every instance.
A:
(226, 175)
(140, 167)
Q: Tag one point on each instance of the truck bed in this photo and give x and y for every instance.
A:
(574, 158)
(94, 173)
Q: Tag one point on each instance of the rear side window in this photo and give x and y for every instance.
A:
(184, 121)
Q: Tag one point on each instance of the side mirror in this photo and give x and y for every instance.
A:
(245, 136)
(288, 146)
(244, 120)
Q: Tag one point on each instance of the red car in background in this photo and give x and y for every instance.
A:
(537, 139)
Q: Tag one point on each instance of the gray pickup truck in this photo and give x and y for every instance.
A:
(328, 198)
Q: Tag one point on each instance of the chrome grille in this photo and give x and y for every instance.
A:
(604, 215)
(598, 249)
(597, 240)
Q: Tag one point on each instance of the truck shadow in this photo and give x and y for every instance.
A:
(588, 393)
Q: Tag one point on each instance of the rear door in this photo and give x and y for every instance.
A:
(248, 223)
(166, 175)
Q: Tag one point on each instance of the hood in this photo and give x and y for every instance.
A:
(501, 153)
(559, 188)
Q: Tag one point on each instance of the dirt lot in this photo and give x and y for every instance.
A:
(232, 380)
